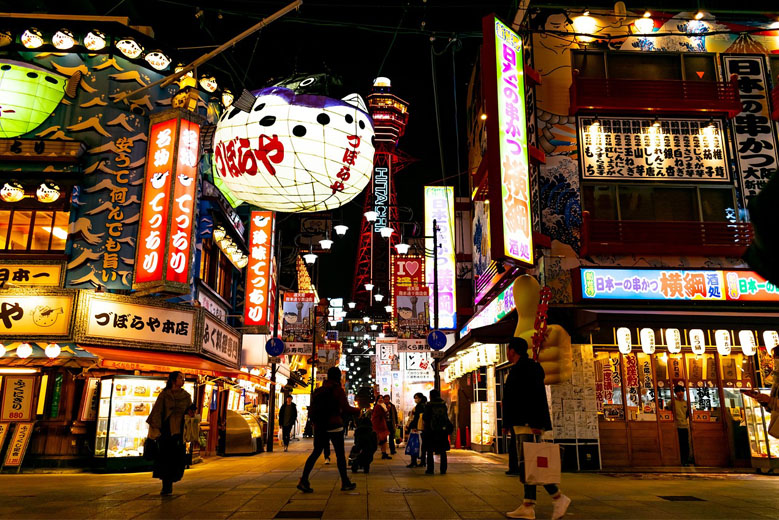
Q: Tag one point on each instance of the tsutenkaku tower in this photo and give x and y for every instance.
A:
(374, 253)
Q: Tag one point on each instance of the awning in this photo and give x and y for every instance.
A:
(496, 333)
(70, 355)
(150, 361)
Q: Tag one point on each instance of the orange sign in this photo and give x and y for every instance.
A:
(256, 309)
(18, 446)
(182, 212)
(18, 392)
(156, 201)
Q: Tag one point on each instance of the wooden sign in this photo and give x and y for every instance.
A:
(18, 393)
(42, 150)
(89, 400)
(18, 446)
(30, 273)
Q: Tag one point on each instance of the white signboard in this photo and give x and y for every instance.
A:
(211, 306)
(418, 366)
(412, 345)
(220, 342)
(618, 148)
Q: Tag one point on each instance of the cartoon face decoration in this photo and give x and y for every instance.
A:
(12, 191)
(295, 153)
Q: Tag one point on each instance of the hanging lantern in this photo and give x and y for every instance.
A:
(95, 40)
(624, 340)
(12, 191)
(584, 26)
(52, 350)
(295, 152)
(158, 60)
(746, 338)
(47, 192)
(366, 319)
(340, 229)
(32, 38)
(771, 339)
(227, 98)
(208, 82)
(242, 262)
(722, 340)
(129, 47)
(645, 24)
(23, 351)
(697, 341)
(647, 337)
(28, 95)
(310, 258)
(219, 233)
(673, 340)
(5, 38)
(63, 39)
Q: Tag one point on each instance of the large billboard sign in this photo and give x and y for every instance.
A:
(439, 207)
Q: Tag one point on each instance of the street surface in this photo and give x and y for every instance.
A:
(475, 487)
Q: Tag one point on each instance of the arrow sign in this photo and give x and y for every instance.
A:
(436, 339)
(274, 347)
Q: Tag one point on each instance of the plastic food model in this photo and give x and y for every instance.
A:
(555, 354)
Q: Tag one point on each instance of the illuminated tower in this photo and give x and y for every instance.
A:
(374, 253)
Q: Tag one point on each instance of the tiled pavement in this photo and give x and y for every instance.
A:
(263, 487)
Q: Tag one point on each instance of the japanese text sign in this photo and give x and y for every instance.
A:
(115, 320)
(493, 312)
(220, 342)
(18, 444)
(661, 149)
(164, 247)
(755, 133)
(24, 274)
(413, 311)
(408, 270)
(298, 324)
(439, 206)
(28, 316)
(508, 167)
(258, 271)
(673, 284)
(381, 190)
(18, 393)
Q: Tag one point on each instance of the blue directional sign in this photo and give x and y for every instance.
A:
(274, 347)
(436, 339)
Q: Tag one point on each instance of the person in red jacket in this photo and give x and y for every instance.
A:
(328, 406)
(379, 420)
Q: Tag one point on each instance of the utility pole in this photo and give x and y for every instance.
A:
(272, 403)
(437, 376)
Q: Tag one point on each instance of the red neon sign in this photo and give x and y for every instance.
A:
(258, 283)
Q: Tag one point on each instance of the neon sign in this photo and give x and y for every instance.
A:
(495, 311)
(256, 309)
(439, 206)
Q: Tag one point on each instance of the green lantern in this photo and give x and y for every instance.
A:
(28, 95)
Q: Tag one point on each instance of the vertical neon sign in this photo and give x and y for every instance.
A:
(257, 311)
(439, 206)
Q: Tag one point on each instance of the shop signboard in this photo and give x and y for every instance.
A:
(635, 148)
(386, 351)
(493, 312)
(508, 168)
(755, 144)
(18, 397)
(675, 284)
(164, 250)
(4, 427)
(257, 311)
(89, 400)
(32, 314)
(418, 367)
(18, 446)
(31, 273)
(439, 206)
(408, 270)
(220, 342)
(298, 322)
(211, 305)
(413, 309)
(108, 319)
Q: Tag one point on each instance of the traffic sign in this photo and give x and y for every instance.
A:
(274, 347)
(436, 339)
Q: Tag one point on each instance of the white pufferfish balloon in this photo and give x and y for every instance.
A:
(295, 152)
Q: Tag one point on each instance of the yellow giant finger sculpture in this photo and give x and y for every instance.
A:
(555, 354)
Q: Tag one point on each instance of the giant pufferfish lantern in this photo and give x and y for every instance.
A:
(294, 151)
(555, 354)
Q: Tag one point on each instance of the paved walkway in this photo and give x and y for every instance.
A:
(263, 487)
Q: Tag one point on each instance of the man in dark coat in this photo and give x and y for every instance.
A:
(328, 406)
(288, 416)
(525, 408)
(435, 435)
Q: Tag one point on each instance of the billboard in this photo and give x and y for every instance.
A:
(439, 206)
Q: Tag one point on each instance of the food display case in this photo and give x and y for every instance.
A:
(125, 404)
(482, 425)
(243, 435)
(764, 448)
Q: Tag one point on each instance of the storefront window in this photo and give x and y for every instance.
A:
(608, 386)
(33, 230)
(704, 391)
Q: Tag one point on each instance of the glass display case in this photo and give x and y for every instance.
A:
(764, 448)
(125, 404)
(482, 423)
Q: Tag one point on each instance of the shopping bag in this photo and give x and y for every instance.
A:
(412, 445)
(542, 463)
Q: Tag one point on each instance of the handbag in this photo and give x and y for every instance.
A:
(150, 449)
(542, 463)
(413, 445)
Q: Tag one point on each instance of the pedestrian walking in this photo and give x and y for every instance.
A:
(525, 407)
(682, 423)
(288, 416)
(166, 426)
(365, 443)
(436, 431)
(380, 421)
(392, 422)
(414, 431)
(328, 405)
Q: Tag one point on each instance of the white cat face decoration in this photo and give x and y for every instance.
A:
(295, 153)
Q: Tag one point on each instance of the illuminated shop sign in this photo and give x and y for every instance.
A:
(495, 311)
(381, 197)
(41, 313)
(30, 274)
(439, 206)
(509, 170)
(674, 284)
(256, 308)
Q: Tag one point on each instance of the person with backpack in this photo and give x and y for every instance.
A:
(328, 405)
(525, 408)
(437, 428)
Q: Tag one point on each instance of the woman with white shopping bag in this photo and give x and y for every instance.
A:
(525, 409)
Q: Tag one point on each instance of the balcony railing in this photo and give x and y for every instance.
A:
(660, 238)
(655, 95)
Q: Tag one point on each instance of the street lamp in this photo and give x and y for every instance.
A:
(369, 286)
(402, 248)
(371, 216)
(326, 243)
(341, 229)
(352, 305)
(386, 231)
(310, 258)
(388, 308)
(378, 296)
